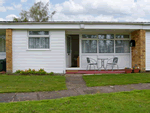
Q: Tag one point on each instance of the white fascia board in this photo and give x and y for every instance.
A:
(48, 26)
(146, 27)
(113, 27)
(71, 26)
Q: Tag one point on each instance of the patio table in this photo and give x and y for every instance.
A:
(102, 62)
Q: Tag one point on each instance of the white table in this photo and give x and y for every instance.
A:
(102, 63)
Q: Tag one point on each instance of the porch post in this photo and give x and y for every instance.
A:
(138, 52)
(9, 50)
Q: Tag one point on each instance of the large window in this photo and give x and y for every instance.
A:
(2, 43)
(38, 40)
(105, 43)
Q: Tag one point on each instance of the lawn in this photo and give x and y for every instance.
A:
(137, 101)
(116, 79)
(21, 83)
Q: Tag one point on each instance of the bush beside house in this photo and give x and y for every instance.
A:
(33, 72)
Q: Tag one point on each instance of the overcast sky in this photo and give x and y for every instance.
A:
(83, 10)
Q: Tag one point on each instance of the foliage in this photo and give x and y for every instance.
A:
(135, 66)
(39, 12)
(33, 72)
(128, 68)
(137, 101)
(116, 79)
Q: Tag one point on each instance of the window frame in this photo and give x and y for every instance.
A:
(34, 36)
(4, 45)
(105, 39)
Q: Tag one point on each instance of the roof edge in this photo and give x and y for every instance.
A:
(75, 22)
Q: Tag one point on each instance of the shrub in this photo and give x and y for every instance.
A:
(51, 73)
(18, 72)
(33, 71)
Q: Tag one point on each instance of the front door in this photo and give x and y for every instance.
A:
(69, 51)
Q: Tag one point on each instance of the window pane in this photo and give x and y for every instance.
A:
(103, 36)
(122, 36)
(106, 46)
(122, 46)
(68, 44)
(38, 33)
(39, 42)
(89, 36)
(2, 43)
(89, 46)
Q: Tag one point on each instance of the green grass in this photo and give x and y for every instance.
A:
(13, 83)
(116, 79)
(123, 102)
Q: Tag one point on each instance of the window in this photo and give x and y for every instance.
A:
(122, 46)
(106, 46)
(89, 46)
(106, 36)
(2, 43)
(68, 44)
(105, 43)
(38, 40)
(89, 36)
(38, 33)
(122, 36)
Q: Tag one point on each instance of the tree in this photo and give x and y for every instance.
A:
(38, 12)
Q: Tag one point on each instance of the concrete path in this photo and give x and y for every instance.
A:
(75, 81)
(76, 86)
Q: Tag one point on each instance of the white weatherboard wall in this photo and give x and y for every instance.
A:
(147, 50)
(52, 60)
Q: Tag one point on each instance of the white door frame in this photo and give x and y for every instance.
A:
(75, 68)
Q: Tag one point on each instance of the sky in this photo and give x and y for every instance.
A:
(83, 10)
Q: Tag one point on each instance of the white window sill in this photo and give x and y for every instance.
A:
(38, 49)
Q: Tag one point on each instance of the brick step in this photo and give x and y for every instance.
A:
(93, 71)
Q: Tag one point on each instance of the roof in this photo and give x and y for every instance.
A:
(75, 22)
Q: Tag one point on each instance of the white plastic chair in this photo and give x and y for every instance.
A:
(114, 62)
(91, 61)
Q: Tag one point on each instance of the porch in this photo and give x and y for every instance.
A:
(97, 44)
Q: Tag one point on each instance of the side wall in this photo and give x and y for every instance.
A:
(138, 52)
(52, 60)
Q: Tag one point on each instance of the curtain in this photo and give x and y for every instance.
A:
(39, 42)
(106, 46)
(89, 46)
(122, 46)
